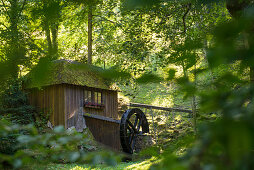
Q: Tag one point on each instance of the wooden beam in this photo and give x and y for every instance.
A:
(101, 118)
(159, 108)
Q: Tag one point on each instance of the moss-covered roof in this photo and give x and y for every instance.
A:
(64, 71)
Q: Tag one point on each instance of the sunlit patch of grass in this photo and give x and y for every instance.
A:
(123, 165)
(144, 164)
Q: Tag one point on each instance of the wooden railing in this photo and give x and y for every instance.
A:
(159, 108)
(151, 112)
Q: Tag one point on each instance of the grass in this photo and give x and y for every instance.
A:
(138, 165)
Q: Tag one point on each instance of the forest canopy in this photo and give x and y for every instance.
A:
(201, 49)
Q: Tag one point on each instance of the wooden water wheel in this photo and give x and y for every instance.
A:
(133, 123)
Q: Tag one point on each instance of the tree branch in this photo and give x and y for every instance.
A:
(29, 38)
(23, 6)
(184, 17)
(4, 6)
(1, 23)
(103, 18)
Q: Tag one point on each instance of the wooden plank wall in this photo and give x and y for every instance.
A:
(104, 132)
(107, 133)
(66, 98)
(50, 101)
(111, 104)
(74, 99)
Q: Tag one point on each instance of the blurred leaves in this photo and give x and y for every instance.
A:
(57, 146)
(136, 41)
(171, 74)
(187, 87)
(233, 42)
(149, 78)
(136, 4)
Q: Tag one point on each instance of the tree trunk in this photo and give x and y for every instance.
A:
(252, 75)
(15, 53)
(54, 33)
(51, 24)
(90, 38)
(48, 36)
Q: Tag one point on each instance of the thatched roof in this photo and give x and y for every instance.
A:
(68, 72)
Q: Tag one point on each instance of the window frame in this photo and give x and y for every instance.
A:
(92, 99)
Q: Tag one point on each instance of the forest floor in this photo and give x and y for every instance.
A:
(138, 165)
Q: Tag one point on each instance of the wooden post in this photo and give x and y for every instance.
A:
(173, 116)
(154, 129)
(193, 103)
(167, 113)
(194, 114)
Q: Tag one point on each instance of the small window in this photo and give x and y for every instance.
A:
(97, 97)
(92, 98)
(88, 96)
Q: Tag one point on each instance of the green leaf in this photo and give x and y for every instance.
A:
(17, 163)
(74, 156)
(59, 129)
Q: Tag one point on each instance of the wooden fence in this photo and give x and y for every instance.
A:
(149, 109)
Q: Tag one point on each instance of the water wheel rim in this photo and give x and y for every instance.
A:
(129, 130)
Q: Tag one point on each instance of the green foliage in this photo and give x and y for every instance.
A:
(149, 78)
(171, 74)
(15, 107)
(57, 146)
(14, 104)
(141, 38)
(225, 143)
(8, 144)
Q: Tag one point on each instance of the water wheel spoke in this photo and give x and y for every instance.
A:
(136, 121)
(129, 133)
(131, 138)
(139, 124)
(129, 128)
(132, 126)
(133, 143)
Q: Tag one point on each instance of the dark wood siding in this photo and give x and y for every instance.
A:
(50, 101)
(74, 98)
(73, 101)
(109, 99)
(107, 133)
(104, 132)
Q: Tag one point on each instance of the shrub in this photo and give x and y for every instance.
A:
(15, 104)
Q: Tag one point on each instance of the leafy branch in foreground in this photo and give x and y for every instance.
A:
(58, 146)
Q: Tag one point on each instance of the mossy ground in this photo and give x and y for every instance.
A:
(137, 165)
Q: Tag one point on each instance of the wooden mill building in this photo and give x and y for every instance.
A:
(69, 86)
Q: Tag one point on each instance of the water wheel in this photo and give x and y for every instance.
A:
(133, 123)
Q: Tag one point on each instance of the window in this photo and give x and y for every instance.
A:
(88, 96)
(93, 98)
(97, 97)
